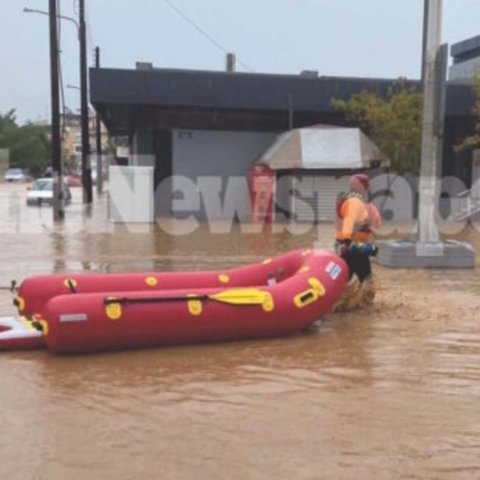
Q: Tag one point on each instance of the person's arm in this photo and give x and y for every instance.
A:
(349, 213)
(375, 216)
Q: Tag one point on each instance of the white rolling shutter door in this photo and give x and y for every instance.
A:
(316, 196)
(304, 199)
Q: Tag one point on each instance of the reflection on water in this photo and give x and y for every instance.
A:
(391, 391)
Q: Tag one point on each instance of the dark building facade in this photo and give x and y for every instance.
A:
(157, 108)
(466, 59)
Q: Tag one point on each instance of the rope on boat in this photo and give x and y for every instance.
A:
(179, 298)
(12, 288)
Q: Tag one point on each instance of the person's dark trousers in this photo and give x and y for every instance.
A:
(358, 264)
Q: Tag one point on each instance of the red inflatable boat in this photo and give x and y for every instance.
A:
(99, 312)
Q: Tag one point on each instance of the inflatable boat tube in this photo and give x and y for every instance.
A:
(99, 312)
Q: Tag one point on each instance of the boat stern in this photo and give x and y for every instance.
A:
(20, 333)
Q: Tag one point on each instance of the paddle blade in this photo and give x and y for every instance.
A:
(245, 296)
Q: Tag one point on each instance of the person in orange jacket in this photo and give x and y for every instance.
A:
(356, 219)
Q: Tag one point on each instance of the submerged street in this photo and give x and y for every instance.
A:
(391, 391)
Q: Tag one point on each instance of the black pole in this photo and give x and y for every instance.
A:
(99, 136)
(290, 111)
(58, 213)
(86, 168)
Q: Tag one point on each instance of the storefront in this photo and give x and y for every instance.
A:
(202, 124)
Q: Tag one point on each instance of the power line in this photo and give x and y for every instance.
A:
(203, 32)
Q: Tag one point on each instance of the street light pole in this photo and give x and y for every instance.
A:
(81, 32)
(41, 12)
(58, 212)
(86, 166)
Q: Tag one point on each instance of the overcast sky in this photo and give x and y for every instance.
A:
(372, 38)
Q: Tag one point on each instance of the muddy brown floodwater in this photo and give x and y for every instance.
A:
(390, 392)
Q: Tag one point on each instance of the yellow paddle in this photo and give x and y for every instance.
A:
(234, 296)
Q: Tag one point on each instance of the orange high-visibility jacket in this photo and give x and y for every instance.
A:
(356, 219)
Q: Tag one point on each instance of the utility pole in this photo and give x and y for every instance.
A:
(424, 38)
(86, 166)
(428, 236)
(426, 249)
(58, 212)
(99, 136)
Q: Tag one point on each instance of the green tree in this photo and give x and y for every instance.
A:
(29, 145)
(8, 128)
(473, 141)
(394, 123)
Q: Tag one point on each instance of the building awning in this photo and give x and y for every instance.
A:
(322, 147)
(163, 98)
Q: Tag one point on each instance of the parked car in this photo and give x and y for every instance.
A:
(17, 175)
(73, 180)
(41, 192)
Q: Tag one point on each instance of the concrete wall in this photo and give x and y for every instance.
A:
(131, 194)
(217, 163)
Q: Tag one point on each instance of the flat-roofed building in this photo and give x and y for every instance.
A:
(199, 124)
(466, 60)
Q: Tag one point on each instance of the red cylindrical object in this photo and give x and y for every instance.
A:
(261, 181)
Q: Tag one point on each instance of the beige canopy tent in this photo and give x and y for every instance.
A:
(318, 161)
(322, 147)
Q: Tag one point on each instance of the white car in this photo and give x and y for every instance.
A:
(41, 192)
(16, 175)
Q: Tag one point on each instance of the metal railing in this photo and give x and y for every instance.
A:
(469, 205)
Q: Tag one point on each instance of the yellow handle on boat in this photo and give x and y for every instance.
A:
(245, 296)
(316, 291)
